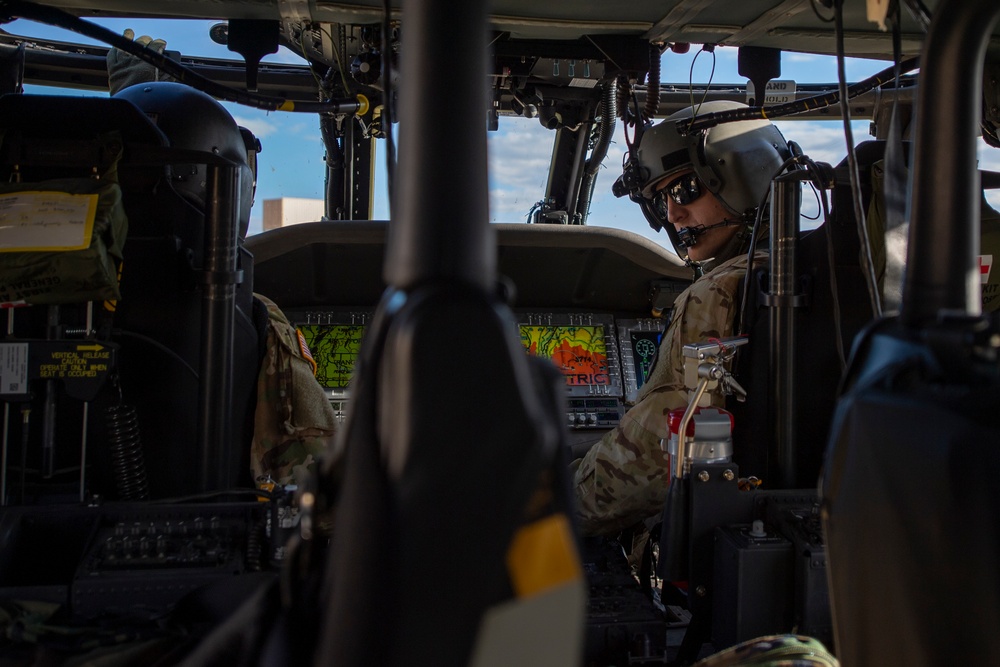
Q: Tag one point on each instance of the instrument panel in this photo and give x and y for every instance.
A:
(604, 360)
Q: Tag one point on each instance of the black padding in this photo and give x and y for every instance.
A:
(911, 512)
(447, 434)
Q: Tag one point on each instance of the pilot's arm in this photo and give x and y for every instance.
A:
(293, 422)
(623, 478)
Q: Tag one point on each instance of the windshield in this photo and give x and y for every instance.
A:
(291, 165)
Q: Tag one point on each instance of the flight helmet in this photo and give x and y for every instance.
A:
(193, 120)
(735, 161)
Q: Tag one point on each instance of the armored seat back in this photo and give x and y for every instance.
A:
(158, 320)
(828, 304)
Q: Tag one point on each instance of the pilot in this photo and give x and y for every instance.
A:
(704, 189)
(293, 421)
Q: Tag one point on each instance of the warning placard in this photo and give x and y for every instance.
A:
(779, 91)
(86, 361)
(80, 366)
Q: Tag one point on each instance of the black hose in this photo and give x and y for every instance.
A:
(605, 133)
(653, 86)
(798, 106)
(57, 17)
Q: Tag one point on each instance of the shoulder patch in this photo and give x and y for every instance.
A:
(304, 350)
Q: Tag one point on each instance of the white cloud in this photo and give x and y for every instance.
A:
(260, 127)
(519, 158)
(519, 163)
(823, 141)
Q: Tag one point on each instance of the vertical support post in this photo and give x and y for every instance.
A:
(944, 232)
(427, 241)
(334, 197)
(49, 413)
(6, 427)
(85, 419)
(359, 159)
(785, 200)
(569, 151)
(215, 405)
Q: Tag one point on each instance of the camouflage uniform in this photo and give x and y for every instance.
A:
(623, 478)
(773, 651)
(293, 422)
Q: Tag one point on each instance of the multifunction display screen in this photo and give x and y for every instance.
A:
(335, 347)
(644, 345)
(579, 351)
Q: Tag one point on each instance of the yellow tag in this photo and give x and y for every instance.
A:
(265, 483)
(543, 555)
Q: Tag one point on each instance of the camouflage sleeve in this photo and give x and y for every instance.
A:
(623, 478)
(293, 422)
(772, 651)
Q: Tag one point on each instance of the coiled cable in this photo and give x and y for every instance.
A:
(128, 464)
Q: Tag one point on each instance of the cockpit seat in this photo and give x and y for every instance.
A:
(833, 304)
(158, 319)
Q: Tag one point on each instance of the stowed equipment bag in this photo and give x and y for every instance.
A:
(62, 240)
(62, 221)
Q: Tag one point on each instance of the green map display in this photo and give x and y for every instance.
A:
(578, 351)
(335, 348)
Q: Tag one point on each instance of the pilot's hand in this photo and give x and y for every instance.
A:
(126, 70)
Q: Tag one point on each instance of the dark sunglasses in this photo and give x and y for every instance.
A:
(682, 190)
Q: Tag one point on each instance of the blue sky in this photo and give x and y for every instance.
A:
(291, 164)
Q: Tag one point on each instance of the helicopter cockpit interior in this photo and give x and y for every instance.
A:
(467, 362)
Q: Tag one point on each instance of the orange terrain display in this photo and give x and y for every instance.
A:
(578, 351)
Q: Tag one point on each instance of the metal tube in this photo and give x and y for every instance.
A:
(6, 427)
(944, 231)
(49, 411)
(217, 325)
(334, 196)
(85, 423)
(581, 138)
(681, 466)
(785, 199)
(442, 227)
(85, 420)
(3, 454)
